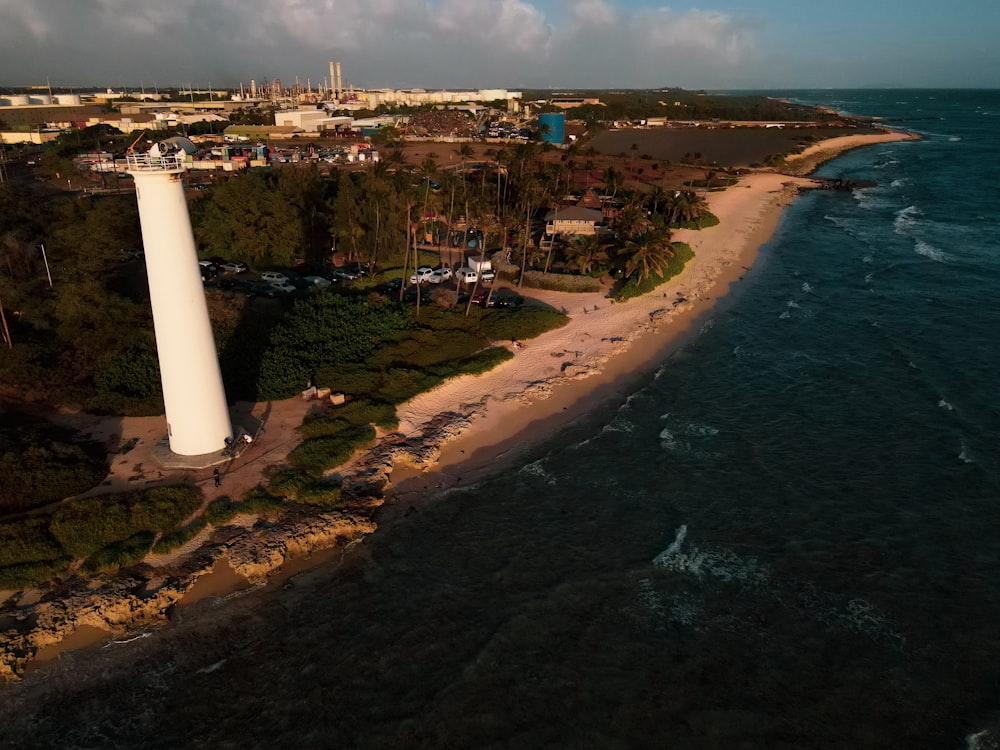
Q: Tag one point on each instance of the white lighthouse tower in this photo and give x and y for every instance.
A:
(193, 395)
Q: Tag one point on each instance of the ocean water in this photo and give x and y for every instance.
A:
(788, 535)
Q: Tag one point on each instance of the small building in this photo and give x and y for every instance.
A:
(573, 220)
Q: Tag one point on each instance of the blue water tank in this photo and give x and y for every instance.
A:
(553, 127)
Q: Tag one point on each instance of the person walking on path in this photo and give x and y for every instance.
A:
(218, 478)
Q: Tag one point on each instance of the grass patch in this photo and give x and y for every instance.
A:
(27, 541)
(706, 220)
(178, 537)
(259, 501)
(120, 554)
(295, 485)
(84, 526)
(520, 323)
(635, 288)
(220, 511)
(362, 412)
(33, 474)
(321, 494)
(318, 455)
(29, 574)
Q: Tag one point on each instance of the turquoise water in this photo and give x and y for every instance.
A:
(786, 537)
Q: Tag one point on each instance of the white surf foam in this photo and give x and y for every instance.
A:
(807, 287)
(964, 456)
(535, 469)
(929, 251)
(724, 565)
(954, 139)
(619, 424)
(906, 218)
(981, 741)
(785, 315)
(945, 405)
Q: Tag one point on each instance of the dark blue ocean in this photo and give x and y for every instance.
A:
(788, 535)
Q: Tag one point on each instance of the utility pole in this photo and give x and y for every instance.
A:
(3, 328)
(46, 261)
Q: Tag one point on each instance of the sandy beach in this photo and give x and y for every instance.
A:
(560, 375)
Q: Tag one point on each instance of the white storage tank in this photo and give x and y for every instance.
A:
(40, 99)
(19, 100)
(68, 100)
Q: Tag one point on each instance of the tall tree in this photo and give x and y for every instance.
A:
(646, 255)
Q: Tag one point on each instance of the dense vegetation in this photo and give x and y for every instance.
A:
(94, 533)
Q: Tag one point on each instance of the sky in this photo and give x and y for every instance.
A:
(551, 44)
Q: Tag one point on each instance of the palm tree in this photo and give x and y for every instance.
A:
(587, 252)
(612, 181)
(631, 221)
(655, 198)
(646, 254)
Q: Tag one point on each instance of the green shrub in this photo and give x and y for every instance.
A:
(288, 483)
(326, 328)
(522, 323)
(220, 511)
(344, 377)
(318, 455)
(706, 220)
(479, 362)
(27, 541)
(120, 554)
(34, 474)
(31, 573)
(634, 288)
(134, 372)
(322, 494)
(560, 282)
(401, 384)
(85, 525)
(259, 501)
(362, 412)
(321, 424)
(178, 537)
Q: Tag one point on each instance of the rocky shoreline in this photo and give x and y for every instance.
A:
(148, 596)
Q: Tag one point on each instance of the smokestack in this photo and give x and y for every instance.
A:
(340, 84)
(333, 80)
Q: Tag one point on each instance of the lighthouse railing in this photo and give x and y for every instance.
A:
(149, 163)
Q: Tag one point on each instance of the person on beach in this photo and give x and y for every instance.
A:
(218, 477)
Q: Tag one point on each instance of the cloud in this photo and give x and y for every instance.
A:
(592, 13)
(694, 31)
(449, 43)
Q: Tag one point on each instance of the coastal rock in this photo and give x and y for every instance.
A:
(124, 604)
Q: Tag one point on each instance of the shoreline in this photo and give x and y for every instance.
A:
(502, 429)
(553, 382)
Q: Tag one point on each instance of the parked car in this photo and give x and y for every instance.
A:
(234, 266)
(444, 272)
(423, 274)
(505, 297)
(273, 277)
(483, 298)
(282, 287)
(391, 287)
(317, 281)
(466, 275)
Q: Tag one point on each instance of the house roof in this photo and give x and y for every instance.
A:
(574, 213)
